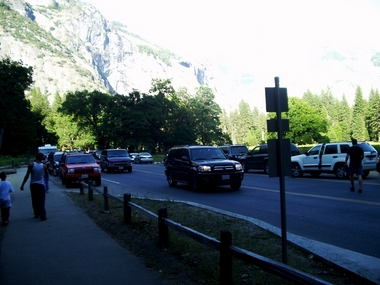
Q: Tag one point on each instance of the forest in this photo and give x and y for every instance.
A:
(166, 117)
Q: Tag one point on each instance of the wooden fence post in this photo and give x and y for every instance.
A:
(105, 194)
(81, 188)
(90, 191)
(163, 230)
(127, 209)
(225, 258)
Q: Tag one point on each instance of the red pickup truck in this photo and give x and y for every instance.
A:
(79, 166)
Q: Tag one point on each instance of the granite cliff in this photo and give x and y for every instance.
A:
(71, 46)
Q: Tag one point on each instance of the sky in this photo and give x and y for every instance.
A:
(270, 38)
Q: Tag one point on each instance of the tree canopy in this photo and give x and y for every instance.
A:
(165, 117)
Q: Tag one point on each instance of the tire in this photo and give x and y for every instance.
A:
(98, 182)
(63, 180)
(296, 170)
(193, 182)
(171, 182)
(266, 168)
(365, 174)
(129, 170)
(67, 182)
(245, 169)
(340, 171)
(235, 185)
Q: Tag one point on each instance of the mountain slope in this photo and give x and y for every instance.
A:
(71, 46)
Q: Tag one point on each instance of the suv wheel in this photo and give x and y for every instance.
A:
(194, 185)
(341, 171)
(296, 170)
(171, 182)
(98, 182)
(266, 168)
(235, 185)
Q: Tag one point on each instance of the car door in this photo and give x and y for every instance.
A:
(329, 156)
(311, 159)
(184, 164)
(255, 158)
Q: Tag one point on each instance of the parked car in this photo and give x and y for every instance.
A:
(257, 158)
(115, 160)
(202, 165)
(330, 158)
(235, 151)
(133, 156)
(144, 157)
(79, 166)
(53, 165)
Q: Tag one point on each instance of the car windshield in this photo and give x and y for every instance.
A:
(239, 149)
(80, 159)
(57, 156)
(117, 153)
(207, 153)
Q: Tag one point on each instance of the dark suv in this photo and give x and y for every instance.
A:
(202, 165)
(115, 159)
(257, 158)
(235, 151)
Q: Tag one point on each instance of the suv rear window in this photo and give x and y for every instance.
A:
(117, 153)
(367, 147)
(241, 149)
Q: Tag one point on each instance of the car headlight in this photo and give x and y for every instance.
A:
(71, 171)
(238, 166)
(96, 169)
(204, 168)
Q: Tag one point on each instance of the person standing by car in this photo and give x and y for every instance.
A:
(356, 154)
(5, 199)
(37, 171)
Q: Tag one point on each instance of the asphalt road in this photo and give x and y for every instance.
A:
(321, 209)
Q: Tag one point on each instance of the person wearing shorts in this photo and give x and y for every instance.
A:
(355, 154)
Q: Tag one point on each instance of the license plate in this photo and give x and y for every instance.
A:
(225, 177)
(84, 175)
(120, 167)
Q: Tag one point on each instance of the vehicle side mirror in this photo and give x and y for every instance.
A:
(185, 158)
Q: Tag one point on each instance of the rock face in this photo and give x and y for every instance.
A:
(71, 46)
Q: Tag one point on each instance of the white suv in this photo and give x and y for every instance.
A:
(330, 158)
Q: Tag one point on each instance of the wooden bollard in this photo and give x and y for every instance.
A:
(225, 258)
(90, 191)
(81, 188)
(127, 209)
(163, 230)
(105, 195)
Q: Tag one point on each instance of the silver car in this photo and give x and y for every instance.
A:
(144, 157)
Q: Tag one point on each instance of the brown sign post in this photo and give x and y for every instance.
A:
(279, 149)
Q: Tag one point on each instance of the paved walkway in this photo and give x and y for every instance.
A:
(67, 248)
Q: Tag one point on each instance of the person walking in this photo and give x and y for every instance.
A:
(37, 171)
(5, 198)
(355, 154)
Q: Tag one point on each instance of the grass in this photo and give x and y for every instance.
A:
(9, 161)
(186, 261)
